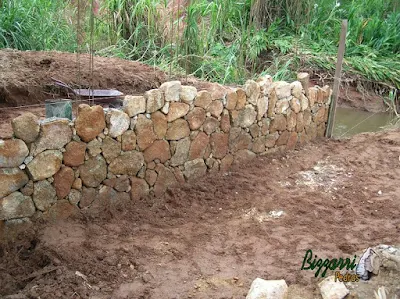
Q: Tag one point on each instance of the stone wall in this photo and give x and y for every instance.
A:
(165, 137)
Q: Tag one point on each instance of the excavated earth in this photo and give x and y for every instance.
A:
(213, 237)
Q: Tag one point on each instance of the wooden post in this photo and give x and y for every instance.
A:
(336, 84)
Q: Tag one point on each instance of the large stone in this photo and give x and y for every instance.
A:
(63, 181)
(297, 89)
(319, 117)
(267, 289)
(255, 130)
(134, 105)
(16, 205)
(155, 100)
(90, 122)
(312, 95)
(265, 123)
(195, 169)
(252, 90)
(278, 124)
(171, 90)
(26, 127)
(300, 122)
(11, 180)
(271, 139)
(246, 117)
(12, 152)
(94, 148)
(238, 140)
(177, 110)
(219, 145)
(188, 93)
(210, 125)
(283, 138)
(243, 156)
(225, 121)
(160, 124)
(54, 134)
(331, 289)
(259, 145)
(74, 154)
(226, 162)
(272, 100)
(45, 165)
(198, 146)
(118, 122)
(158, 150)
(241, 99)
(231, 100)
(196, 118)
(264, 82)
(282, 106)
(178, 129)
(181, 152)
(215, 108)
(282, 89)
(110, 148)
(27, 190)
(304, 79)
(88, 197)
(291, 118)
(127, 163)
(262, 106)
(165, 179)
(144, 132)
(295, 105)
(307, 118)
(151, 177)
(292, 141)
(203, 99)
(44, 195)
(304, 102)
(122, 183)
(94, 171)
(139, 188)
(74, 197)
(128, 141)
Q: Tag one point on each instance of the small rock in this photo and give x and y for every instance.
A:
(155, 100)
(90, 122)
(54, 135)
(177, 110)
(267, 289)
(44, 195)
(26, 127)
(134, 105)
(74, 154)
(11, 180)
(63, 181)
(331, 289)
(16, 205)
(93, 171)
(118, 122)
(12, 153)
(171, 90)
(252, 90)
(188, 93)
(203, 99)
(45, 165)
(178, 129)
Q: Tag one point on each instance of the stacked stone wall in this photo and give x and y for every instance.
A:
(165, 137)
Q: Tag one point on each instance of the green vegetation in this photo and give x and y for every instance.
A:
(220, 40)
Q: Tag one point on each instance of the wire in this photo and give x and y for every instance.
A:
(355, 126)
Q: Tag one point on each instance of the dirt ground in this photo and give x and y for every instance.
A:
(213, 237)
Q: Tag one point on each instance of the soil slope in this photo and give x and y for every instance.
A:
(211, 238)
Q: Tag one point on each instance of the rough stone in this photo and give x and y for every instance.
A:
(122, 183)
(144, 132)
(243, 156)
(321, 130)
(94, 148)
(300, 122)
(291, 118)
(278, 124)
(128, 142)
(44, 195)
(177, 110)
(118, 122)
(188, 93)
(181, 152)
(254, 130)
(246, 117)
(165, 179)
(154, 99)
(127, 163)
(178, 129)
(282, 89)
(311, 131)
(238, 140)
(307, 118)
(53, 135)
(262, 106)
(210, 125)
(134, 105)
(74, 197)
(27, 190)
(12, 153)
(26, 127)
(63, 181)
(77, 184)
(265, 123)
(90, 122)
(194, 169)
(88, 196)
(231, 100)
(139, 189)
(271, 139)
(283, 138)
(292, 141)
(331, 289)
(272, 100)
(198, 146)
(196, 118)
(165, 108)
(16, 205)
(11, 180)
(160, 124)
(226, 162)
(219, 145)
(319, 117)
(297, 89)
(151, 177)
(304, 102)
(45, 165)
(252, 90)
(225, 121)
(74, 154)
(282, 106)
(312, 95)
(295, 105)
(215, 108)
(203, 99)
(93, 171)
(111, 148)
(241, 99)
(171, 90)
(271, 289)
(259, 145)
(158, 150)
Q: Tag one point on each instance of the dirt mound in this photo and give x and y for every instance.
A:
(211, 238)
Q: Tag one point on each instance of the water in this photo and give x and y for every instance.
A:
(349, 122)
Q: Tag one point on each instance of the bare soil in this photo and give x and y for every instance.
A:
(212, 237)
